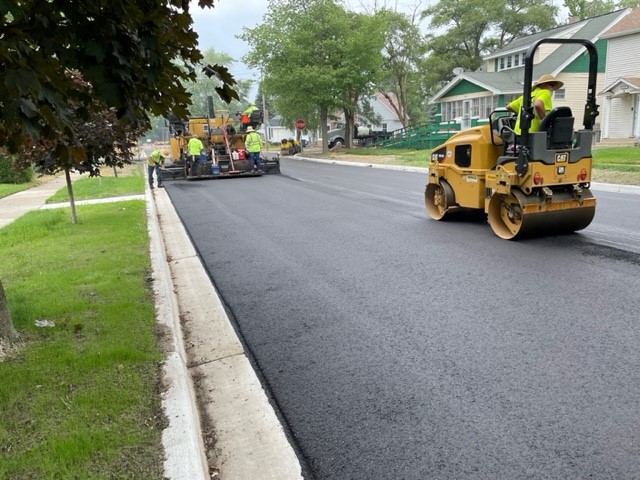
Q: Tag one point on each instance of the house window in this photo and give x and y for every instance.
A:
(475, 107)
(509, 98)
(502, 63)
(559, 94)
(516, 60)
(509, 61)
(486, 105)
(450, 110)
(384, 127)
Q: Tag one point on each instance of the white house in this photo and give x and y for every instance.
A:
(471, 96)
(621, 109)
(389, 120)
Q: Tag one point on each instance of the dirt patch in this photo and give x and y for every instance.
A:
(8, 350)
(341, 156)
(613, 176)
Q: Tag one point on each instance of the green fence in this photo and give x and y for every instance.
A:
(420, 136)
(424, 135)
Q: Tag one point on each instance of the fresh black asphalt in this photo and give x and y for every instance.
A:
(398, 347)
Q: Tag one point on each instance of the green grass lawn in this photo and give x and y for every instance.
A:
(80, 399)
(105, 185)
(611, 164)
(11, 188)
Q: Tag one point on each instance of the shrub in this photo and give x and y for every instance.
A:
(10, 172)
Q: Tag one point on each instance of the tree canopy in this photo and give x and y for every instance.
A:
(133, 57)
(315, 59)
(205, 86)
(466, 31)
(403, 49)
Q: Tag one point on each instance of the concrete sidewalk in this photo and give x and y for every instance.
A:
(227, 409)
(18, 204)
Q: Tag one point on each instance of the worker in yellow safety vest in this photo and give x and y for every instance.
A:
(155, 163)
(253, 146)
(194, 147)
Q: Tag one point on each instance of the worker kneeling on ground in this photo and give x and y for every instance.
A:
(253, 145)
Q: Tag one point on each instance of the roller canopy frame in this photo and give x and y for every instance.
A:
(591, 108)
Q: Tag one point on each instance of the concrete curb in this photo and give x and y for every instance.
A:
(616, 188)
(362, 164)
(182, 440)
(250, 442)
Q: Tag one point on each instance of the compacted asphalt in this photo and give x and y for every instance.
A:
(397, 347)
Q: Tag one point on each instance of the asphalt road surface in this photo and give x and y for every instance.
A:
(398, 347)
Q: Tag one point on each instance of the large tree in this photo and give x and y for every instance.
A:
(64, 63)
(135, 56)
(581, 9)
(403, 49)
(315, 59)
(463, 32)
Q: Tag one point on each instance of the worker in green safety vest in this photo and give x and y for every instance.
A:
(194, 147)
(253, 146)
(155, 162)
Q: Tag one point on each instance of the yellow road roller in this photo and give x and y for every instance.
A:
(530, 184)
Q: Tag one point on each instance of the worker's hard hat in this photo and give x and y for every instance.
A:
(550, 79)
(249, 128)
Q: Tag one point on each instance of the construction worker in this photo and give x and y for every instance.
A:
(244, 121)
(253, 146)
(540, 99)
(155, 162)
(251, 108)
(246, 116)
(194, 147)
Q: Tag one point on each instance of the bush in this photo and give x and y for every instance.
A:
(11, 173)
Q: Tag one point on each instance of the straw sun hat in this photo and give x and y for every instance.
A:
(550, 79)
(249, 129)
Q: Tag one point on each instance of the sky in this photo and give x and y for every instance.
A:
(217, 27)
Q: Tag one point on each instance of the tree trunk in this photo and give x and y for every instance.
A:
(348, 128)
(324, 118)
(72, 200)
(7, 332)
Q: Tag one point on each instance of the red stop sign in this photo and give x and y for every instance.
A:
(300, 124)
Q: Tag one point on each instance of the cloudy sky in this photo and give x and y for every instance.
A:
(217, 27)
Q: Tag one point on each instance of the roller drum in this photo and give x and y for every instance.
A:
(517, 215)
(438, 199)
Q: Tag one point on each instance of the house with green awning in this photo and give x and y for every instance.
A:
(469, 98)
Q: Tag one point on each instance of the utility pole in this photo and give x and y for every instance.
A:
(265, 112)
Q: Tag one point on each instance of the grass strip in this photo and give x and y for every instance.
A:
(11, 188)
(104, 186)
(80, 399)
(610, 164)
